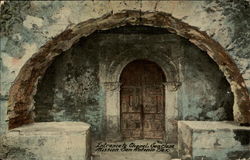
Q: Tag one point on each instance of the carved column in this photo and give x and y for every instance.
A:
(112, 107)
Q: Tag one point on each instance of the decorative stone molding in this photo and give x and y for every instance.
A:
(172, 86)
(169, 67)
(112, 86)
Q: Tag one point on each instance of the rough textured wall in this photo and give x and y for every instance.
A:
(70, 90)
(205, 94)
(213, 141)
(26, 26)
(47, 141)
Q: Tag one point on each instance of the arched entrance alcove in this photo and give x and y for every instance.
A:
(110, 76)
(20, 109)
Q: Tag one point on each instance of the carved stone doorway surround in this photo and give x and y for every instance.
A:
(110, 75)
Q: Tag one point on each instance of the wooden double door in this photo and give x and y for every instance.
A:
(142, 101)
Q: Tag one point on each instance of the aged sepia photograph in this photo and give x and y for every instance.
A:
(125, 80)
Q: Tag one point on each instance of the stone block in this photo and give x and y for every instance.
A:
(210, 140)
(47, 141)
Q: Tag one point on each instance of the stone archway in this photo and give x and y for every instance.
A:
(111, 86)
(20, 109)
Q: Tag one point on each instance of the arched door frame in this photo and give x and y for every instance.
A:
(111, 86)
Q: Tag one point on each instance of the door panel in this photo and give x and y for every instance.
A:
(142, 101)
(153, 104)
(130, 99)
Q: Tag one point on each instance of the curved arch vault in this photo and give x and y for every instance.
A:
(20, 109)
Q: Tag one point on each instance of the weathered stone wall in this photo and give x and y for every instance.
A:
(47, 141)
(26, 26)
(71, 88)
(205, 94)
(213, 141)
